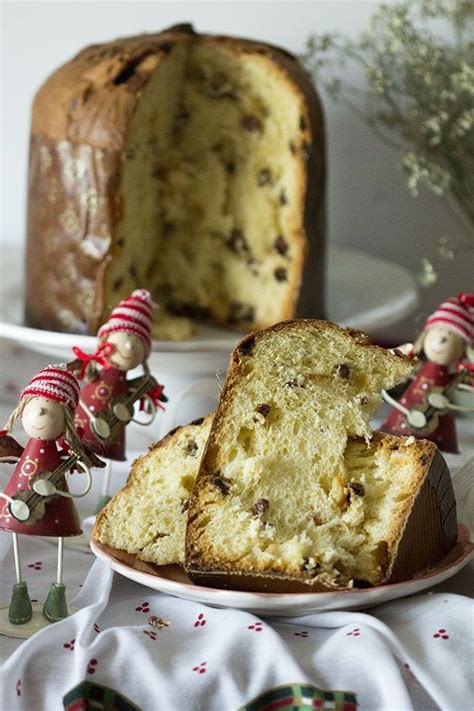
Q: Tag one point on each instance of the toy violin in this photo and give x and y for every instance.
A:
(107, 423)
(425, 416)
(29, 506)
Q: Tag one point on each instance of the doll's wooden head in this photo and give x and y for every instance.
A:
(47, 405)
(448, 332)
(43, 418)
(129, 330)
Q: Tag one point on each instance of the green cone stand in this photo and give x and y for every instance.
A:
(20, 610)
(55, 607)
(37, 622)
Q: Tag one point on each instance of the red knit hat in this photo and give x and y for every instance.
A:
(456, 314)
(57, 383)
(132, 315)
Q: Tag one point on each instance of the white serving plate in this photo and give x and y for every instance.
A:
(364, 292)
(174, 581)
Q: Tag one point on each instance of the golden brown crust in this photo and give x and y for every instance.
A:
(258, 582)
(91, 99)
(429, 529)
(80, 119)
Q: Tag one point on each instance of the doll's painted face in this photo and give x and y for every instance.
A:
(43, 418)
(129, 351)
(442, 346)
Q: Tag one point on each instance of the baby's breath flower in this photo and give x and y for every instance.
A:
(446, 249)
(427, 274)
(420, 92)
(463, 79)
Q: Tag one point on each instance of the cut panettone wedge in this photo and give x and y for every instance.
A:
(146, 520)
(294, 492)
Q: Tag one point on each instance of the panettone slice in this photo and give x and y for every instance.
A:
(145, 521)
(294, 491)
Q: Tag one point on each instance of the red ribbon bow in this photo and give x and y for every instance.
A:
(100, 357)
(465, 366)
(154, 395)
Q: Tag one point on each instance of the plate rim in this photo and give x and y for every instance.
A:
(463, 541)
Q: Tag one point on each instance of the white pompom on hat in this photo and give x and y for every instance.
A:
(54, 382)
(457, 315)
(134, 314)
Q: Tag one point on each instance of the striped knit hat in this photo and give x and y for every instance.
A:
(456, 314)
(57, 383)
(132, 315)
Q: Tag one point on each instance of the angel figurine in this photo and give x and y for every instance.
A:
(107, 400)
(425, 409)
(36, 499)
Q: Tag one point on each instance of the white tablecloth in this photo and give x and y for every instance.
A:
(414, 653)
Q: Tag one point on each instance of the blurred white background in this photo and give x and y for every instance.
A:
(370, 207)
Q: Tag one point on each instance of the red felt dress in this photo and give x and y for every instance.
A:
(97, 396)
(428, 377)
(61, 517)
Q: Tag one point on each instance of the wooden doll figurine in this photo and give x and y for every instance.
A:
(107, 400)
(36, 500)
(425, 409)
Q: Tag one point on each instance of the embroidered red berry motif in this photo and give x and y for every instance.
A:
(354, 633)
(69, 645)
(33, 599)
(303, 633)
(257, 627)
(144, 607)
(441, 634)
(37, 565)
(91, 667)
(97, 628)
(200, 622)
(201, 668)
(18, 687)
(150, 634)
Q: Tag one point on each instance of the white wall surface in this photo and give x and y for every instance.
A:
(370, 207)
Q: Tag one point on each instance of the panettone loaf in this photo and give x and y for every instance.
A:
(189, 164)
(294, 492)
(147, 518)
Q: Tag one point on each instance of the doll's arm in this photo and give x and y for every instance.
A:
(10, 449)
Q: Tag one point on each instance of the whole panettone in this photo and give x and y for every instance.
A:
(189, 164)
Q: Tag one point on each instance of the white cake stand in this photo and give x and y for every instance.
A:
(364, 292)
